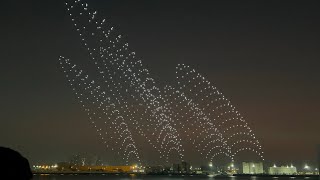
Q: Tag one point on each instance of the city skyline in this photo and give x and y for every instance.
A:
(278, 94)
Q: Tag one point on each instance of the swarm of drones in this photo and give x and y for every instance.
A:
(129, 110)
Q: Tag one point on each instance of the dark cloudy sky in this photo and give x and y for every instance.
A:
(263, 55)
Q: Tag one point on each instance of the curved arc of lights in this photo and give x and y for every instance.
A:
(133, 105)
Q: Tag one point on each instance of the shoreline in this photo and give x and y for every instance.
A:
(169, 175)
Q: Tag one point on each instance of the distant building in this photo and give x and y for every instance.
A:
(176, 168)
(183, 167)
(252, 168)
(109, 169)
(85, 159)
(283, 170)
(64, 166)
(154, 169)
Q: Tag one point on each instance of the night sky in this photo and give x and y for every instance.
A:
(264, 56)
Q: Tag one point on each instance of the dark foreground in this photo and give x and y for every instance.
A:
(160, 177)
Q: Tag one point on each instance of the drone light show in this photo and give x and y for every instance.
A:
(132, 113)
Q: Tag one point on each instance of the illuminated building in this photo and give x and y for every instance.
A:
(110, 169)
(286, 170)
(44, 167)
(252, 168)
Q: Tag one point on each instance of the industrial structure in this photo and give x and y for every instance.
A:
(282, 170)
(252, 168)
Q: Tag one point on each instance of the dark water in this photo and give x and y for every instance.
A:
(107, 177)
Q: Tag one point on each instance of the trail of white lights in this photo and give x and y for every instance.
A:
(125, 105)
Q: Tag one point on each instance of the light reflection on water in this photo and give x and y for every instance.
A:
(113, 177)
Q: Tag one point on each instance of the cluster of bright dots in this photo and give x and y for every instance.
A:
(125, 105)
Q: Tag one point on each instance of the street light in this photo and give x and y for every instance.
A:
(307, 168)
(211, 165)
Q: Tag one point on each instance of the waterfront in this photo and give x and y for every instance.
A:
(205, 87)
(152, 177)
